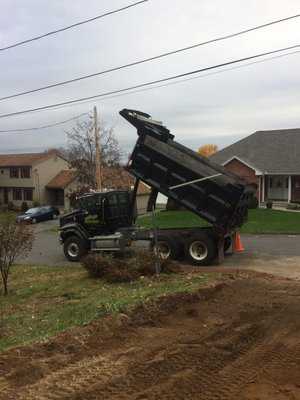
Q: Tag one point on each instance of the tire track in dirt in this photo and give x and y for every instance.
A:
(72, 379)
(207, 348)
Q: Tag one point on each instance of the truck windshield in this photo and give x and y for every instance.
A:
(91, 203)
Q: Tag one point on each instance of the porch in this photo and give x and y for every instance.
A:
(280, 189)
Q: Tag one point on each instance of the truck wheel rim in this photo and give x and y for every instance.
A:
(163, 250)
(198, 251)
(73, 250)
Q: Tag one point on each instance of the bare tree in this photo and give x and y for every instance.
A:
(81, 149)
(16, 239)
(61, 151)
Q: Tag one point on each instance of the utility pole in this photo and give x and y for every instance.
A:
(97, 144)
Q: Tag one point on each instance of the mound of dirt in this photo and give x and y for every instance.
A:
(233, 340)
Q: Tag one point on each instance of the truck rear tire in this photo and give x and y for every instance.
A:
(200, 250)
(168, 247)
(227, 243)
(74, 248)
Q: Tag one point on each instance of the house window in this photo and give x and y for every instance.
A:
(27, 194)
(271, 182)
(17, 194)
(25, 173)
(287, 183)
(14, 173)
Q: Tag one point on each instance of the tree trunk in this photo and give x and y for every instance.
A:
(5, 287)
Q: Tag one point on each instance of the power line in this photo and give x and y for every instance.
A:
(174, 83)
(43, 127)
(150, 58)
(171, 83)
(149, 83)
(72, 26)
(195, 77)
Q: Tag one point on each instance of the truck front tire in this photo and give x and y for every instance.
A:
(200, 250)
(74, 248)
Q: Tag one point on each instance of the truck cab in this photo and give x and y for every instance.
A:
(96, 214)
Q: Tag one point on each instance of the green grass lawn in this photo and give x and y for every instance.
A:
(44, 301)
(260, 221)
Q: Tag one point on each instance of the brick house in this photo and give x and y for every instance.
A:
(270, 159)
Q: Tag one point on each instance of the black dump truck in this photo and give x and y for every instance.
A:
(105, 221)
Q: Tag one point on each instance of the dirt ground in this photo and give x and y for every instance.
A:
(238, 339)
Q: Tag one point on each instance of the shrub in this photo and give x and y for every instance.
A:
(106, 266)
(24, 206)
(120, 273)
(97, 264)
(143, 263)
(16, 239)
(293, 206)
(10, 206)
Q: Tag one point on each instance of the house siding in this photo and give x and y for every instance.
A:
(40, 173)
(44, 172)
(7, 181)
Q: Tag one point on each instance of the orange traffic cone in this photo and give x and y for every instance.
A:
(238, 243)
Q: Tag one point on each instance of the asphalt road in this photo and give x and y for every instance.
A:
(275, 254)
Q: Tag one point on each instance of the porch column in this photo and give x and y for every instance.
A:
(262, 188)
(290, 189)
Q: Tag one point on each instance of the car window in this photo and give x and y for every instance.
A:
(32, 210)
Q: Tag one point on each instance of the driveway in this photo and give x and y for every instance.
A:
(275, 254)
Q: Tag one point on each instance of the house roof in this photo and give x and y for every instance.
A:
(62, 179)
(118, 178)
(112, 178)
(23, 160)
(272, 152)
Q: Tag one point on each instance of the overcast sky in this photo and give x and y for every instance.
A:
(219, 106)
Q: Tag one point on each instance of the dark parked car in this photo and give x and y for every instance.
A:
(38, 214)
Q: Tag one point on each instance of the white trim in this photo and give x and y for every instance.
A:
(262, 186)
(257, 171)
(282, 173)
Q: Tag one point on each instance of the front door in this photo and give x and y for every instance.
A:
(278, 187)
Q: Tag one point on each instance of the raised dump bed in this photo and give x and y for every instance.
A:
(197, 183)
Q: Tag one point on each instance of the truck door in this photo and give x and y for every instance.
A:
(117, 214)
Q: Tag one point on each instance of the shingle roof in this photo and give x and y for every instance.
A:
(118, 178)
(112, 178)
(268, 151)
(62, 179)
(23, 160)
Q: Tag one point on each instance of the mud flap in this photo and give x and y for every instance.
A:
(220, 251)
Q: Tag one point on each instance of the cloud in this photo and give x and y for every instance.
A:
(219, 106)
